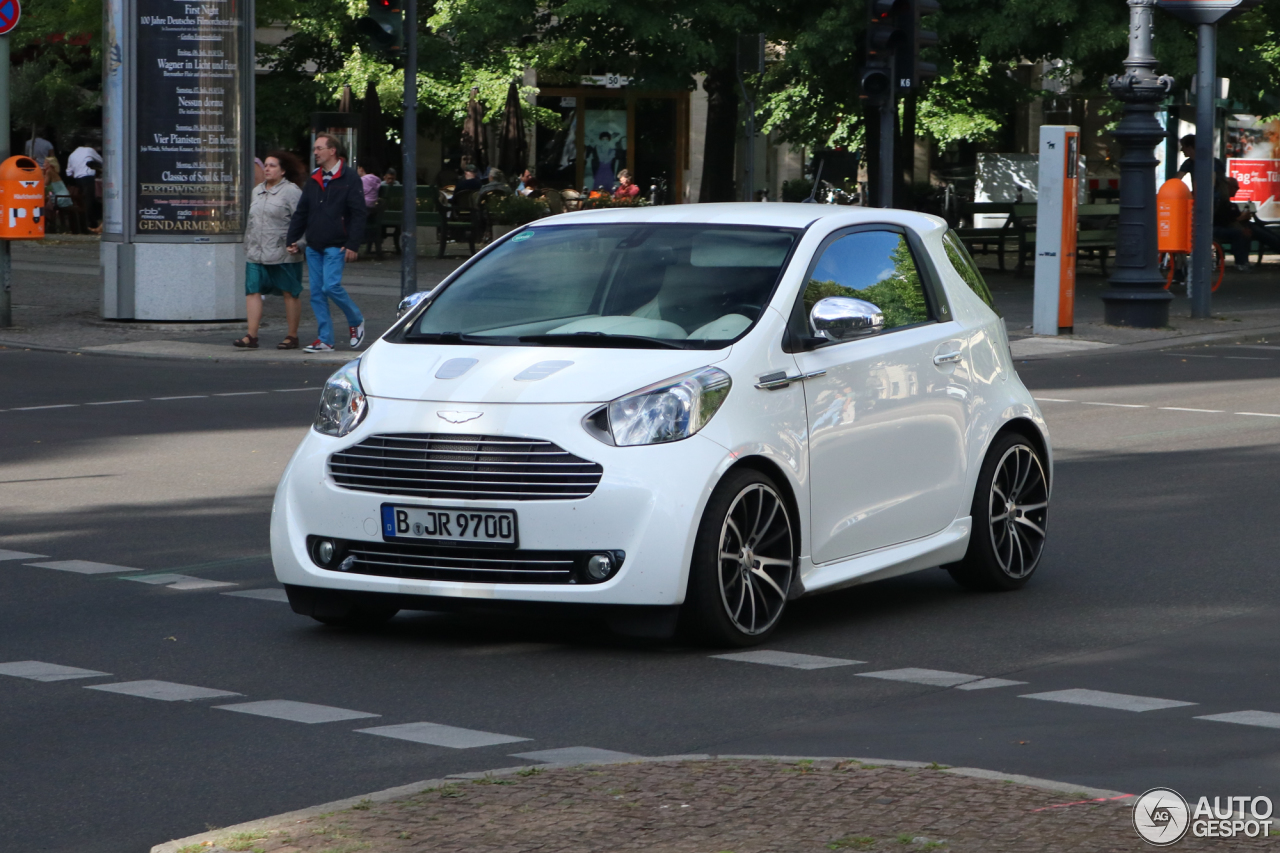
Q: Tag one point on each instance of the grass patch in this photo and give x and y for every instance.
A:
(852, 842)
(363, 806)
(531, 771)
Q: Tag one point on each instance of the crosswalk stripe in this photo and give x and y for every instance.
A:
(36, 670)
(165, 691)
(440, 735)
(1266, 719)
(791, 660)
(296, 712)
(986, 683)
(19, 555)
(261, 594)
(173, 581)
(931, 677)
(82, 567)
(1102, 699)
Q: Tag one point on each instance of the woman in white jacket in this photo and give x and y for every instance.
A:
(270, 268)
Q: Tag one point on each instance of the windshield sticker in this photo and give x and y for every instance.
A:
(521, 237)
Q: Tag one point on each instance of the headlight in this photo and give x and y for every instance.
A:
(667, 411)
(342, 405)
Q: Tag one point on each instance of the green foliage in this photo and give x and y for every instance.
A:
(514, 209)
(900, 297)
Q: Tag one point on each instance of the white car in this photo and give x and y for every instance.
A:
(701, 411)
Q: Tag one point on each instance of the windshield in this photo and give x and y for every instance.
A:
(687, 286)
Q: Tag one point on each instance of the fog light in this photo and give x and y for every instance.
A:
(599, 566)
(324, 551)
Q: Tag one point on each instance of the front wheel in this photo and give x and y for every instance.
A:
(743, 561)
(1010, 511)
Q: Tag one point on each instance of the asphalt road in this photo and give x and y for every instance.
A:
(1158, 584)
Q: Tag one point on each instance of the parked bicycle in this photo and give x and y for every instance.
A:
(1177, 265)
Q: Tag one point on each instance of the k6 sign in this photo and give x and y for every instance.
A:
(1206, 11)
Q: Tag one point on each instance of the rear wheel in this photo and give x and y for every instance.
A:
(1010, 510)
(743, 561)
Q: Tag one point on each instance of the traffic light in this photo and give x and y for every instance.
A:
(877, 84)
(384, 26)
(884, 31)
(910, 71)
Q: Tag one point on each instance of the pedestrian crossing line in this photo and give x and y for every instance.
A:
(1116, 405)
(20, 555)
(36, 670)
(261, 594)
(184, 397)
(112, 402)
(1259, 414)
(157, 399)
(240, 393)
(82, 567)
(39, 408)
(436, 734)
(165, 691)
(181, 582)
(1184, 409)
(292, 390)
(1102, 699)
(296, 712)
(1265, 719)
(930, 677)
(1051, 400)
(791, 660)
(988, 683)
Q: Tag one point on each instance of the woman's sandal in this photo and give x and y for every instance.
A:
(291, 342)
(247, 342)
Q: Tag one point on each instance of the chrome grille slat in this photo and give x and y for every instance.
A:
(430, 561)
(359, 552)
(464, 467)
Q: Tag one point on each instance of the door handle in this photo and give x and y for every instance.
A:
(774, 381)
(947, 357)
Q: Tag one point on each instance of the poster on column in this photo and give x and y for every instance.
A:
(1253, 159)
(188, 117)
(113, 151)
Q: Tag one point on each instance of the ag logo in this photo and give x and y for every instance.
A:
(458, 417)
(1161, 816)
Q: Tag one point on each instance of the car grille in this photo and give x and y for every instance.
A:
(449, 563)
(467, 467)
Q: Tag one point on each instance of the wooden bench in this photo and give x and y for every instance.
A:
(980, 241)
(451, 217)
(1095, 231)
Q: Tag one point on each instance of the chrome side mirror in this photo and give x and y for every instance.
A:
(843, 318)
(409, 302)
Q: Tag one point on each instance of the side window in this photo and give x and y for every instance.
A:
(967, 269)
(876, 266)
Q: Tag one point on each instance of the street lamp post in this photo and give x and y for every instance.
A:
(1136, 296)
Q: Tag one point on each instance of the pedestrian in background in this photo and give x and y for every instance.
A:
(82, 172)
(38, 148)
(270, 267)
(331, 214)
(627, 187)
(389, 178)
(370, 184)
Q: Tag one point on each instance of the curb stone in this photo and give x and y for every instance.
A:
(389, 794)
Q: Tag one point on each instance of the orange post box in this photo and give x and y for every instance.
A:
(21, 199)
(1173, 217)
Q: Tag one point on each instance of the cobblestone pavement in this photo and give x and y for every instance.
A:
(719, 806)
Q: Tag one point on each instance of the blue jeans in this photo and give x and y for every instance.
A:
(325, 269)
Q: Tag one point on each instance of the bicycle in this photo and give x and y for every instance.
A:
(1174, 265)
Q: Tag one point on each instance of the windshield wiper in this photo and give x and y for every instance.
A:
(599, 339)
(448, 338)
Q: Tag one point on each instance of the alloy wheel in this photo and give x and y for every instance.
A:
(1019, 505)
(756, 559)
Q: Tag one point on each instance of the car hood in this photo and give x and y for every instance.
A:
(499, 374)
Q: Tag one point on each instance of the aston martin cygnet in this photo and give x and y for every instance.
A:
(687, 415)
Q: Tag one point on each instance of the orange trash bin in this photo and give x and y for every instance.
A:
(21, 199)
(1173, 217)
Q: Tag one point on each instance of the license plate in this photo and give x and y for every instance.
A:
(450, 524)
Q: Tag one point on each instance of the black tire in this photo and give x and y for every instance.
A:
(1010, 514)
(739, 601)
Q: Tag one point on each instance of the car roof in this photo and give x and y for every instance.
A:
(777, 214)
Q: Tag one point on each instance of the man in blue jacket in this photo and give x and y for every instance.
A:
(331, 213)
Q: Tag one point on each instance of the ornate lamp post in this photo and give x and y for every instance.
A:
(1136, 296)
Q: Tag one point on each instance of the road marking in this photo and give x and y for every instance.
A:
(1259, 414)
(82, 567)
(38, 408)
(987, 683)
(295, 712)
(1182, 409)
(261, 594)
(187, 397)
(931, 677)
(291, 390)
(1247, 358)
(438, 735)
(112, 402)
(1189, 355)
(19, 555)
(1101, 699)
(173, 581)
(575, 755)
(1266, 719)
(1051, 400)
(165, 691)
(41, 671)
(239, 393)
(1116, 405)
(769, 657)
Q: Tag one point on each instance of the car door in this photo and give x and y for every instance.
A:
(887, 412)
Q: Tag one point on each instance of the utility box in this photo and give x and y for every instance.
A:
(21, 199)
(1173, 217)
(1056, 203)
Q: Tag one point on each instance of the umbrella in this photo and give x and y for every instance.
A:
(473, 133)
(513, 148)
(374, 156)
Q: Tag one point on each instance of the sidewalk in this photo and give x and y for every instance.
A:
(57, 298)
(704, 804)
(57, 305)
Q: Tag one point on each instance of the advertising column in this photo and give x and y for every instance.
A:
(178, 139)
